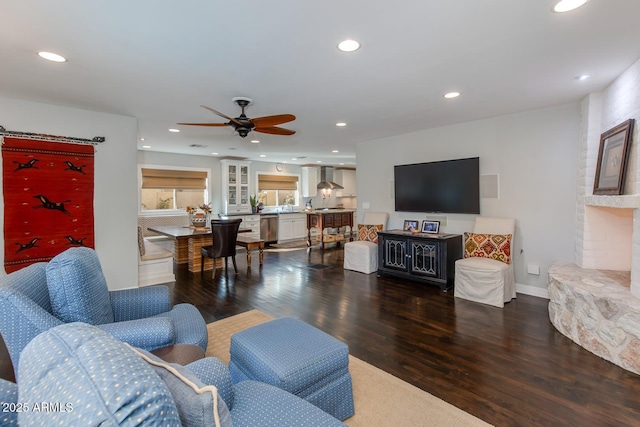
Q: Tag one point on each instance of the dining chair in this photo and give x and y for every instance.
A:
(225, 234)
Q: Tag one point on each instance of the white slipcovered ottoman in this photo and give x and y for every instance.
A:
(362, 256)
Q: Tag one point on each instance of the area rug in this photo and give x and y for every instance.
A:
(380, 399)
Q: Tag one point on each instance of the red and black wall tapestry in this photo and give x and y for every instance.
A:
(48, 199)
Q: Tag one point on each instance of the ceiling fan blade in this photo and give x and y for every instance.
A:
(274, 130)
(277, 119)
(203, 124)
(222, 115)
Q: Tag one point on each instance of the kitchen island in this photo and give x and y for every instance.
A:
(330, 218)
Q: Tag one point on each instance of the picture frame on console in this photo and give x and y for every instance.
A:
(612, 159)
(410, 225)
(430, 227)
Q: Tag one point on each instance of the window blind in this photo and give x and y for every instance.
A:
(277, 182)
(178, 179)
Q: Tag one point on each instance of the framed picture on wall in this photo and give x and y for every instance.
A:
(410, 225)
(612, 159)
(432, 227)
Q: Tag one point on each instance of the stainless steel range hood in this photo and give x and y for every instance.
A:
(326, 179)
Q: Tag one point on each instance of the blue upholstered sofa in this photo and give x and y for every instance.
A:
(72, 288)
(87, 377)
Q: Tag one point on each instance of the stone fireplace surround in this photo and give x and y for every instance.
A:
(596, 301)
(597, 311)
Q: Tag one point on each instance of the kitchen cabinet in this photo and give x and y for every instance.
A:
(291, 227)
(346, 178)
(235, 186)
(252, 222)
(421, 257)
(310, 181)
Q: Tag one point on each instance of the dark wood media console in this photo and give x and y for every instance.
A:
(423, 257)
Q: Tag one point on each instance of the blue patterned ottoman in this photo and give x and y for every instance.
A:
(298, 358)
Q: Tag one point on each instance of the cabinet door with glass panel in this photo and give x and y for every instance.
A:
(235, 177)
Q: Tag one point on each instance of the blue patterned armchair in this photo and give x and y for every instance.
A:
(130, 387)
(72, 288)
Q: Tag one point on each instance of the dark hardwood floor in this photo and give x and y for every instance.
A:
(509, 367)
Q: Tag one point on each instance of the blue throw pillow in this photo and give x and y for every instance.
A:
(198, 404)
(78, 289)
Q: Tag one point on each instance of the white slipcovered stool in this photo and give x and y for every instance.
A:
(362, 255)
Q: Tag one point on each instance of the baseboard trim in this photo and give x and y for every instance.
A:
(532, 290)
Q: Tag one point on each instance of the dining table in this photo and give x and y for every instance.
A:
(187, 242)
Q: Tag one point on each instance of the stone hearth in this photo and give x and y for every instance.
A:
(596, 310)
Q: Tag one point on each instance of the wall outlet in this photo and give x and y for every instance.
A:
(533, 269)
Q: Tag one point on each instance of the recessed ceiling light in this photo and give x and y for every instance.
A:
(583, 77)
(146, 146)
(263, 155)
(141, 139)
(348, 45)
(174, 130)
(335, 151)
(318, 161)
(294, 158)
(255, 141)
(451, 95)
(50, 56)
(568, 5)
(341, 164)
(215, 154)
(341, 124)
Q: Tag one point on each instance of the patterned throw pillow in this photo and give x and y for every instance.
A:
(198, 404)
(369, 232)
(494, 246)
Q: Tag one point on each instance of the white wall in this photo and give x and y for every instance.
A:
(534, 153)
(115, 197)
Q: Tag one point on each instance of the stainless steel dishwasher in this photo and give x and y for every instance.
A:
(269, 228)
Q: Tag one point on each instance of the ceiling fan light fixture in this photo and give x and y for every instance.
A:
(568, 5)
(348, 45)
(53, 57)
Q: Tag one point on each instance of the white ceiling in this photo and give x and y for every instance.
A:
(159, 60)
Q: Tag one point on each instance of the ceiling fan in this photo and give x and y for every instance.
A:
(243, 124)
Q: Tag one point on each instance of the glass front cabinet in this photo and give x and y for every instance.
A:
(420, 256)
(235, 185)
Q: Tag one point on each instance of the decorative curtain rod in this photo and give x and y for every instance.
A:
(44, 137)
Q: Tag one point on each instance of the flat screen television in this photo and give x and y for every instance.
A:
(450, 186)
